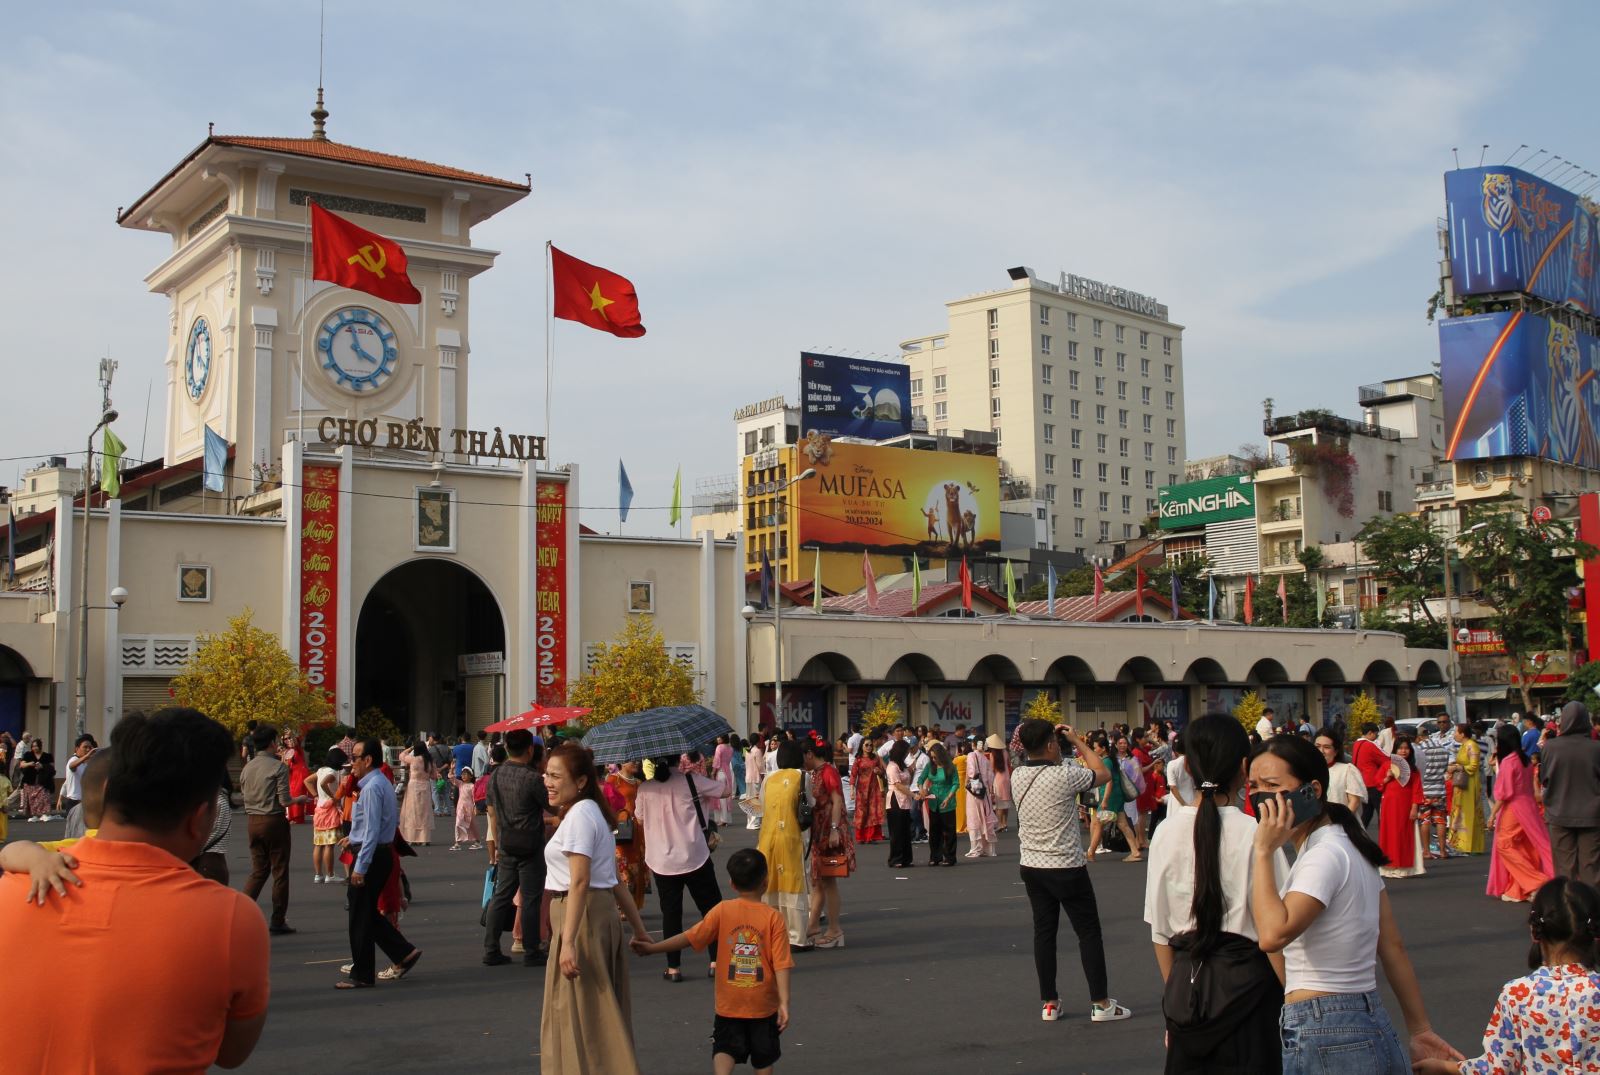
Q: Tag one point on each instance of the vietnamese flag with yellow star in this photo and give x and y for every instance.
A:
(594, 296)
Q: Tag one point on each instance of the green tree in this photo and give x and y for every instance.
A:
(1419, 634)
(1300, 591)
(1408, 553)
(632, 672)
(1523, 573)
(1075, 583)
(1581, 684)
(1193, 584)
(244, 674)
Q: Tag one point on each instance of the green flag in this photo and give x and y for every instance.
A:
(916, 583)
(1322, 600)
(816, 583)
(111, 466)
(676, 512)
(1011, 589)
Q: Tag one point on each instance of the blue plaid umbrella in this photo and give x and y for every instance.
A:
(663, 732)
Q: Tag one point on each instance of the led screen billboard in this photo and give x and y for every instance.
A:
(897, 500)
(1519, 384)
(1512, 231)
(854, 397)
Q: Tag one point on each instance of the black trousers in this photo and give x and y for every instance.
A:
(899, 822)
(1049, 893)
(1369, 809)
(703, 889)
(368, 928)
(511, 873)
(941, 837)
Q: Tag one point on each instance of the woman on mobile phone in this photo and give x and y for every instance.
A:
(1332, 921)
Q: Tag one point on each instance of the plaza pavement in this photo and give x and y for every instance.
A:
(937, 975)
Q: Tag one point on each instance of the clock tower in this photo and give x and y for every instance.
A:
(261, 353)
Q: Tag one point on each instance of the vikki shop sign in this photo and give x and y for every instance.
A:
(413, 436)
(1213, 500)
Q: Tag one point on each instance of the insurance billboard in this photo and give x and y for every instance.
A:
(1512, 231)
(897, 500)
(1516, 383)
(1210, 500)
(854, 397)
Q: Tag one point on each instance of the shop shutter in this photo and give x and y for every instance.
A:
(146, 693)
(483, 703)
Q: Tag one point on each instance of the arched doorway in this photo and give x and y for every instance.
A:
(415, 626)
(15, 675)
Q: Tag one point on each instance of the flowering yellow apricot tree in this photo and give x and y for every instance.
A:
(244, 674)
(633, 671)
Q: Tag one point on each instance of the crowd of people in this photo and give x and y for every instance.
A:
(1268, 854)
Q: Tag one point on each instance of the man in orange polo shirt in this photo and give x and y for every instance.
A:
(169, 970)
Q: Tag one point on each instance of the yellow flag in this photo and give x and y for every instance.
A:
(111, 466)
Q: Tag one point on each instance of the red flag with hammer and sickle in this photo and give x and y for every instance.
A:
(351, 256)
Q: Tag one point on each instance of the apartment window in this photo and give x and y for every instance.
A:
(1149, 452)
(1149, 479)
(1077, 528)
(994, 408)
(1122, 362)
(1049, 433)
(941, 411)
(916, 387)
(1099, 414)
(916, 410)
(1104, 501)
(1144, 340)
(1166, 372)
(938, 382)
(1050, 492)
(1127, 530)
(994, 318)
(1170, 398)
(1150, 504)
(1047, 403)
(1124, 474)
(994, 348)
(1072, 321)
(1044, 344)
(1044, 314)
(1072, 350)
(1122, 389)
(1144, 367)
(1097, 327)
(1172, 427)
(1049, 463)
(1127, 505)
(1144, 394)
(1105, 530)
(1072, 407)
(1044, 373)
(994, 378)
(1102, 471)
(1099, 386)
(1099, 356)
(1172, 456)
(1100, 443)
(1120, 331)
(1041, 514)
(1077, 468)
(1147, 423)
(1166, 345)
(1122, 418)
(1077, 498)
(1385, 500)
(1122, 447)
(1077, 438)
(1072, 380)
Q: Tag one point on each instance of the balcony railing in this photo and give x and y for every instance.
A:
(1282, 514)
(1438, 490)
(1327, 423)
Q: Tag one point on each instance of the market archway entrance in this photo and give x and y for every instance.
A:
(427, 642)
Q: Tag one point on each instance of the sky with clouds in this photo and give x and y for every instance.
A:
(781, 177)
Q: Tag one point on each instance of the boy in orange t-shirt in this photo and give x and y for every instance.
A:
(753, 975)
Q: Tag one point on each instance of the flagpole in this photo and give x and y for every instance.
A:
(549, 346)
(300, 363)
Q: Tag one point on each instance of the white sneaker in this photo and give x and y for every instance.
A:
(316, 879)
(1051, 1011)
(1111, 1013)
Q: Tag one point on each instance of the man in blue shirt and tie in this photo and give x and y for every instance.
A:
(371, 840)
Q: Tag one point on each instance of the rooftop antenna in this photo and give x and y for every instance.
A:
(319, 114)
(1456, 155)
(1514, 152)
(1481, 154)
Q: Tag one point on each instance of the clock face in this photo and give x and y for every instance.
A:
(197, 359)
(357, 349)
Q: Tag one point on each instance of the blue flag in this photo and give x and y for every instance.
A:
(216, 460)
(11, 544)
(766, 580)
(624, 492)
(1211, 601)
(1050, 589)
(1177, 593)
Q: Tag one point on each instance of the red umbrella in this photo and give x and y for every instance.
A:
(539, 717)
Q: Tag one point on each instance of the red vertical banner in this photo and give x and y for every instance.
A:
(1589, 531)
(319, 578)
(550, 596)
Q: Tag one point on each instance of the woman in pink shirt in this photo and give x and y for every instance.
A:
(675, 846)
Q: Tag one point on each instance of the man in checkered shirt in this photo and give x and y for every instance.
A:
(1436, 749)
(1054, 871)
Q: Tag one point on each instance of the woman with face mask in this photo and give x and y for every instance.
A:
(1332, 921)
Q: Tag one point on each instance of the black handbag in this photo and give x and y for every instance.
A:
(803, 811)
(712, 838)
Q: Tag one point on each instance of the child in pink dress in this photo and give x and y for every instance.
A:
(466, 812)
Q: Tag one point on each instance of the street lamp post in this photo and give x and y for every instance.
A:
(82, 706)
(1456, 703)
(777, 620)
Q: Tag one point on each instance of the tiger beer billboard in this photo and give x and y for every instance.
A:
(897, 500)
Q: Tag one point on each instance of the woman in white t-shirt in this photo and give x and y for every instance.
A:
(1197, 902)
(587, 1023)
(1344, 780)
(1333, 924)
